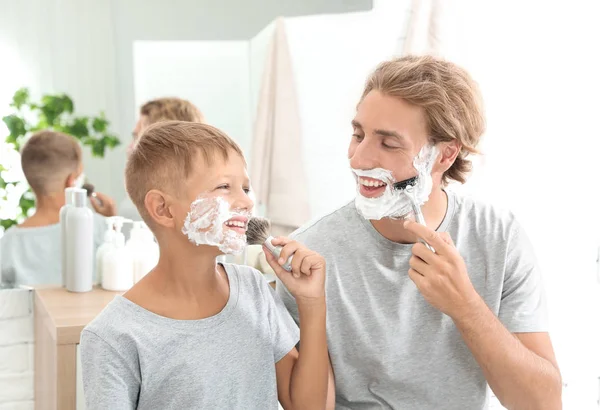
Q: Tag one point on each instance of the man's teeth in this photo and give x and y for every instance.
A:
(238, 224)
(370, 183)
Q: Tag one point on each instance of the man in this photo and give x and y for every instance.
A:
(428, 325)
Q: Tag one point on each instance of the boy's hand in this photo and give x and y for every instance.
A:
(306, 281)
(103, 204)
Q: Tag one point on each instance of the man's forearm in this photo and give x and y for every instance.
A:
(311, 371)
(520, 378)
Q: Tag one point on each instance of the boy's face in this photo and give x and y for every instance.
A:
(216, 204)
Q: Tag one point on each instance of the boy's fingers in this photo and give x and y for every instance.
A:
(288, 250)
(279, 271)
(280, 241)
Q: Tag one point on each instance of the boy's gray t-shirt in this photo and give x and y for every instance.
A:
(32, 256)
(389, 348)
(135, 359)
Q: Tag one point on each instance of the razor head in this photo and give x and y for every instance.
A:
(402, 185)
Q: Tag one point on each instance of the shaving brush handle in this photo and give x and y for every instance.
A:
(276, 252)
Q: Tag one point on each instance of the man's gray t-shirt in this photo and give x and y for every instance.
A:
(389, 348)
(135, 359)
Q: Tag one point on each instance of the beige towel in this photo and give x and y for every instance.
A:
(277, 168)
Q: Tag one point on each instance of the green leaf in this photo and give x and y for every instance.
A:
(78, 128)
(26, 203)
(7, 223)
(99, 124)
(20, 98)
(16, 127)
(111, 141)
(53, 106)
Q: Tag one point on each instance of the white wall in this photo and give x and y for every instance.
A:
(16, 349)
(214, 75)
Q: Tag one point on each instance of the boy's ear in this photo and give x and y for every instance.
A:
(70, 180)
(157, 206)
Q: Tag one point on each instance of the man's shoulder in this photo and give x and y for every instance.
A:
(481, 217)
(326, 225)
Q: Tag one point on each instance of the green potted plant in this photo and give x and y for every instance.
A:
(53, 111)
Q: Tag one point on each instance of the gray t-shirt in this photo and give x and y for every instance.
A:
(135, 359)
(389, 348)
(32, 256)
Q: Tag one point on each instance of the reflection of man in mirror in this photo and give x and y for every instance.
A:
(161, 109)
(426, 315)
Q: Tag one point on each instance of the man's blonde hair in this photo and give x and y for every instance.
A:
(171, 109)
(165, 154)
(449, 97)
(47, 160)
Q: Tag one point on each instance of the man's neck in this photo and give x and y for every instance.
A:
(47, 211)
(434, 211)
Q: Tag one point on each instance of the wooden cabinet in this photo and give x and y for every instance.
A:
(59, 317)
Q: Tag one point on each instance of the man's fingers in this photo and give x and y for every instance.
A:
(431, 237)
(418, 265)
(421, 251)
(447, 238)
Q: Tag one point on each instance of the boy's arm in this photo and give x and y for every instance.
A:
(305, 379)
(108, 380)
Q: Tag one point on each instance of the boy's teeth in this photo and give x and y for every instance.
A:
(236, 223)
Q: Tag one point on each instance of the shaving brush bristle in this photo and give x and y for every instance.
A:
(258, 230)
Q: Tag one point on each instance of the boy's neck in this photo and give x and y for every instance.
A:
(47, 211)
(187, 271)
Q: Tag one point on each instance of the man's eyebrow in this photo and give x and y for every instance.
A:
(388, 133)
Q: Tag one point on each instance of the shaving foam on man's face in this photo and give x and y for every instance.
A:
(212, 222)
(376, 196)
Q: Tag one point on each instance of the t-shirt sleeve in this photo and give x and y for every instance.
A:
(284, 332)
(523, 306)
(108, 380)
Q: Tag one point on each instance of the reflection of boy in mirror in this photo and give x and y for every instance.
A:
(153, 111)
(51, 162)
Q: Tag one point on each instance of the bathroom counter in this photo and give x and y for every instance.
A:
(59, 317)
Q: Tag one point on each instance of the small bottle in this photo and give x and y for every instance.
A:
(143, 249)
(109, 239)
(117, 263)
(63, 232)
(80, 244)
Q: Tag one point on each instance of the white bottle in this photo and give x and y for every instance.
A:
(109, 243)
(80, 244)
(117, 263)
(143, 249)
(63, 232)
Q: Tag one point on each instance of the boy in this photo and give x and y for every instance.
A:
(153, 111)
(51, 162)
(193, 333)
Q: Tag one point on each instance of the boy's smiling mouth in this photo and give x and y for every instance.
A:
(238, 224)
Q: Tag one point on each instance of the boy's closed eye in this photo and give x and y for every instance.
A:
(228, 187)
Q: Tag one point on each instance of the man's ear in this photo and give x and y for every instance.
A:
(448, 153)
(157, 205)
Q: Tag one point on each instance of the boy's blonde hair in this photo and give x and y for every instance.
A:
(164, 157)
(171, 109)
(47, 160)
(449, 97)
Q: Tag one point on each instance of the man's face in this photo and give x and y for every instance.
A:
(388, 134)
(142, 123)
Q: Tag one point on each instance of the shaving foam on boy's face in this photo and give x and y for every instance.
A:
(391, 202)
(212, 222)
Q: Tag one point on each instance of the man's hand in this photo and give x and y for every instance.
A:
(441, 276)
(103, 204)
(306, 281)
